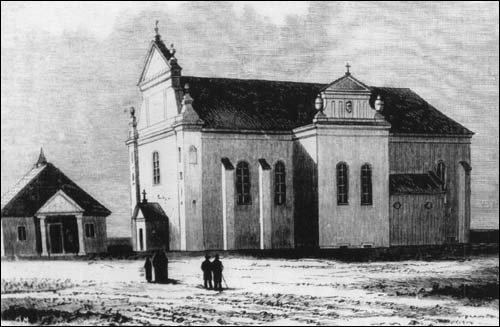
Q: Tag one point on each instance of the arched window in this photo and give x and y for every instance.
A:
(193, 155)
(156, 168)
(342, 183)
(243, 183)
(279, 183)
(441, 173)
(366, 185)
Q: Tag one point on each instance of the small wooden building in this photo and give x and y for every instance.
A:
(150, 224)
(46, 213)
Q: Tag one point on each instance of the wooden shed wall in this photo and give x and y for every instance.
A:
(420, 155)
(31, 246)
(413, 223)
(97, 244)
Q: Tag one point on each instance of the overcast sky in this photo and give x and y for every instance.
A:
(69, 70)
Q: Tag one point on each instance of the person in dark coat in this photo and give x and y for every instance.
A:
(206, 267)
(217, 268)
(160, 264)
(148, 269)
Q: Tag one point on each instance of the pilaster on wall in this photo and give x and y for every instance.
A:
(81, 241)
(227, 177)
(1, 233)
(265, 198)
(43, 233)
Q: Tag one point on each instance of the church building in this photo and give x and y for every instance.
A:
(259, 164)
(47, 214)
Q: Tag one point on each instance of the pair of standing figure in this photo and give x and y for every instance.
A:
(212, 268)
(160, 264)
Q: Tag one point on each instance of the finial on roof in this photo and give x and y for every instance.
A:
(172, 50)
(347, 66)
(186, 88)
(144, 200)
(41, 159)
(157, 34)
(318, 105)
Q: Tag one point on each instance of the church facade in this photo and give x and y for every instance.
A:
(255, 164)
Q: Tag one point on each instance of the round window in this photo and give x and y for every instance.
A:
(428, 205)
(397, 205)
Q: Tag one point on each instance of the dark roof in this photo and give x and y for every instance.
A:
(414, 184)
(408, 113)
(150, 211)
(43, 182)
(163, 48)
(237, 104)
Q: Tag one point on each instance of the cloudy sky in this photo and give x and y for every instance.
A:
(69, 70)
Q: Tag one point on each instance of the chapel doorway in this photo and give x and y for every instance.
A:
(55, 238)
(62, 234)
(141, 240)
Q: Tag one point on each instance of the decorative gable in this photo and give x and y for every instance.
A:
(347, 83)
(60, 203)
(156, 65)
(347, 98)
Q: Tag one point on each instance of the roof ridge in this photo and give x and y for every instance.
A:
(18, 183)
(253, 79)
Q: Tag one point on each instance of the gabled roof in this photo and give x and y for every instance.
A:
(347, 82)
(237, 104)
(150, 211)
(21, 184)
(414, 184)
(157, 43)
(60, 203)
(39, 185)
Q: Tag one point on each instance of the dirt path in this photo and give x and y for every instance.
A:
(261, 291)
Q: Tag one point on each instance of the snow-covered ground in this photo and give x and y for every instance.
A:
(260, 291)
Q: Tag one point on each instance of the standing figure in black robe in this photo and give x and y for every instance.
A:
(206, 267)
(148, 265)
(160, 264)
(217, 268)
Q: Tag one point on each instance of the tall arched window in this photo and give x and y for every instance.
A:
(193, 155)
(243, 183)
(156, 168)
(279, 183)
(342, 183)
(366, 185)
(441, 173)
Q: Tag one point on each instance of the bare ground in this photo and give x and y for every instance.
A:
(261, 291)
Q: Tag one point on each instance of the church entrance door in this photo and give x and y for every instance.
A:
(56, 238)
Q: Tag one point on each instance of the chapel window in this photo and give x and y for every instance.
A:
(21, 233)
(193, 155)
(366, 185)
(156, 168)
(441, 173)
(342, 183)
(243, 183)
(279, 183)
(89, 230)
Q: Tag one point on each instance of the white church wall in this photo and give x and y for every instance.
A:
(353, 224)
(245, 147)
(305, 188)
(193, 192)
(166, 193)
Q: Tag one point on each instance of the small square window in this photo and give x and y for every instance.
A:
(89, 230)
(21, 233)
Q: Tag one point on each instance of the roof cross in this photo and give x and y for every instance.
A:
(144, 196)
(347, 66)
